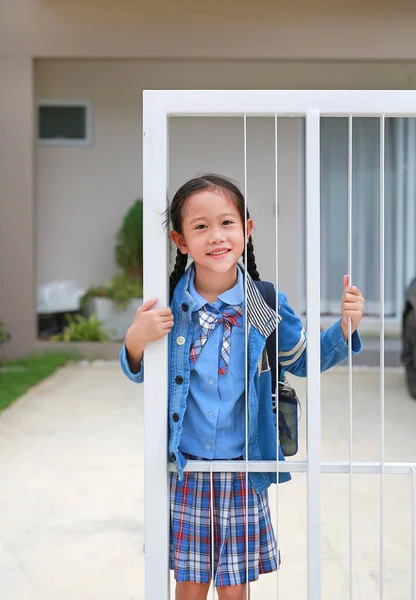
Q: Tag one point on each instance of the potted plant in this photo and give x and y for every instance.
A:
(115, 303)
(82, 329)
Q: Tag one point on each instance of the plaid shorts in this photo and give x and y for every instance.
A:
(190, 529)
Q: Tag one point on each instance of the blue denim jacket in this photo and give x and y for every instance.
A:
(261, 323)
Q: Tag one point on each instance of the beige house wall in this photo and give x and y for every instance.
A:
(221, 45)
(82, 193)
(300, 29)
(17, 261)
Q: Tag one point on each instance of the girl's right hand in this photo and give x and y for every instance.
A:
(148, 326)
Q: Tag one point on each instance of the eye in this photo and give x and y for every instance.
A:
(227, 222)
(201, 226)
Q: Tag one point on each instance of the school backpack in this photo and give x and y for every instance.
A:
(288, 401)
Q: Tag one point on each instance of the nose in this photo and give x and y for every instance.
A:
(217, 235)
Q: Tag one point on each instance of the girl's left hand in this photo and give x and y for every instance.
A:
(352, 305)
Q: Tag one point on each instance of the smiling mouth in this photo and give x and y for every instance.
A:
(219, 252)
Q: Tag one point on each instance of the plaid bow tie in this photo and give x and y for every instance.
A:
(208, 321)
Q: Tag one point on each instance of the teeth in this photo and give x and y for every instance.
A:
(218, 253)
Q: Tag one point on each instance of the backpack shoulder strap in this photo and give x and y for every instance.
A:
(267, 290)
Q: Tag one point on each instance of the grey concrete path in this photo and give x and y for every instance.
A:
(71, 489)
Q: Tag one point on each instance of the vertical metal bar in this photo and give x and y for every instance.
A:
(302, 216)
(410, 201)
(276, 391)
(399, 203)
(413, 534)
(313, 352)
(246, 344)
(211, 483)
(361, 209)
(156, 476)
(350, 183)
(382, 429)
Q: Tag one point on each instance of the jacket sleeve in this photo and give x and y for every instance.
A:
(292, 342)
(124, 363)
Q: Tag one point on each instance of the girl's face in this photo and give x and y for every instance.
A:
(212, 231)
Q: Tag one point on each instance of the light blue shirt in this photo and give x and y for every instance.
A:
(214, 420)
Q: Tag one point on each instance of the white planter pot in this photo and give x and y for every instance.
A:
(115, 321)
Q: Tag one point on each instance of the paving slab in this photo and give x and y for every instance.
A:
(71, 484)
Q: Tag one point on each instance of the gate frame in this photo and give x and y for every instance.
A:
(158, 107)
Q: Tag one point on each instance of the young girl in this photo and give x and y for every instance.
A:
(207, 379)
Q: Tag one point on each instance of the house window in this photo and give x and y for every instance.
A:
(64, 123)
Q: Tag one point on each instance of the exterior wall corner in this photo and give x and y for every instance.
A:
(17, 263)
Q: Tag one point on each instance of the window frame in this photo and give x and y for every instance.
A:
(64, 142)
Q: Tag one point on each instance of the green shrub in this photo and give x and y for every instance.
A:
(124, 288)
(121, 289)
(82, 329)
(129, 248)
(4, 337)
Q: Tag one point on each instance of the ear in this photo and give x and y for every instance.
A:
(249, 229)
(179, 240)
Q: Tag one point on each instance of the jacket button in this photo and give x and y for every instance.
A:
(175, 417)
(185, 307)
(172, 457)
(179, 379)
(180, 340)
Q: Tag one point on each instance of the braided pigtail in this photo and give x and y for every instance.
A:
(178, 270)
(251, 261)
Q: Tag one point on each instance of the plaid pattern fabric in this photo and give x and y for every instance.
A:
(208, 322)
(190, 538)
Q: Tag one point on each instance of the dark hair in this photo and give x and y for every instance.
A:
(176, 210)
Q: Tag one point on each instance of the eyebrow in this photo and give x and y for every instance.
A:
(205, 218)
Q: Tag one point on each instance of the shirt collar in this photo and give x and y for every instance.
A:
(199, 300)
(233, 296)
(236, 294)
(259, 313)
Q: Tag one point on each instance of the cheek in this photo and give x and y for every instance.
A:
(194, 241)
(239, 239)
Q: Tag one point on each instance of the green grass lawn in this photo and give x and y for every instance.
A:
(18, 376)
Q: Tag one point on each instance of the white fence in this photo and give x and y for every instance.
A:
(158, 107)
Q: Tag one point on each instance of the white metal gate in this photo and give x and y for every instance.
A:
(312, 105)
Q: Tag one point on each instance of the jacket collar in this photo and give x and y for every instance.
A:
(259, 313)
